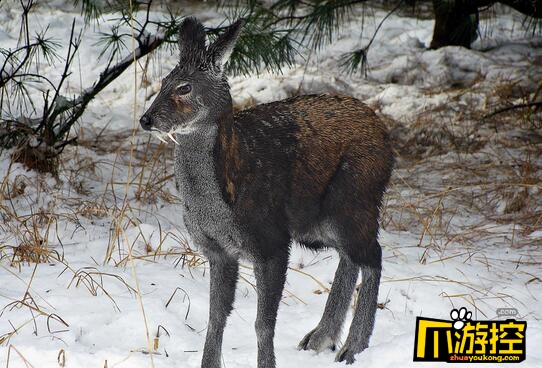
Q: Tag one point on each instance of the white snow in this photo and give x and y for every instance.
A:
(122, 268)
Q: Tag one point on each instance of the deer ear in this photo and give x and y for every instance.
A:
(191, 37)
(219, 52)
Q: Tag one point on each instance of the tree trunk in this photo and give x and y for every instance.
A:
(456, 21)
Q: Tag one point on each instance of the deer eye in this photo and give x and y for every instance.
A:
(183, 89)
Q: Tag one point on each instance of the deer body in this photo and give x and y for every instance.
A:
(311, 169)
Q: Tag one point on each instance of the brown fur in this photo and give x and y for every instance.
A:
(182, 106)
(329, 136)
(230, 160)
(329, 128)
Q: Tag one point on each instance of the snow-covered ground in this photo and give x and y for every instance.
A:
(461, 224)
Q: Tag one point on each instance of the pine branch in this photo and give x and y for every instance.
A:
(77, 106)
(535, 104)
(27, 47)
(60, 113)
(260, 46)
(73, 46)
(90, 9)
(358, 58)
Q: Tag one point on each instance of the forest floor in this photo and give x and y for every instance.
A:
(97, 270)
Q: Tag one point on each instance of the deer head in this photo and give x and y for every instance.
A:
(195, 93)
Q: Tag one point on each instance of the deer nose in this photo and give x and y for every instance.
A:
(146, 122)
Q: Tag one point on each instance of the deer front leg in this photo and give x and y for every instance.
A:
(224, 271)
(270, 278)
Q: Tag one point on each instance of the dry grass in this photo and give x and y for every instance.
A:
(26, 236)
(36, 209)
(23, 359)
(455, 165)
(452, 163)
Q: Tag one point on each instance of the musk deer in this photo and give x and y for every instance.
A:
(311, 169)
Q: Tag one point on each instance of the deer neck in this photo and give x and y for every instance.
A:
(197, 159)
(197, 175)
(194, 162)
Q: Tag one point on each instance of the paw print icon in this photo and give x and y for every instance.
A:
(459, 317)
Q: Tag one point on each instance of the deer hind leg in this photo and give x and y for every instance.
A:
(365, 311)
(328, 330)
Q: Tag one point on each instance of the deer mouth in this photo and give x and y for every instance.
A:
(163, 136)
(181, 130)
(184, 129)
